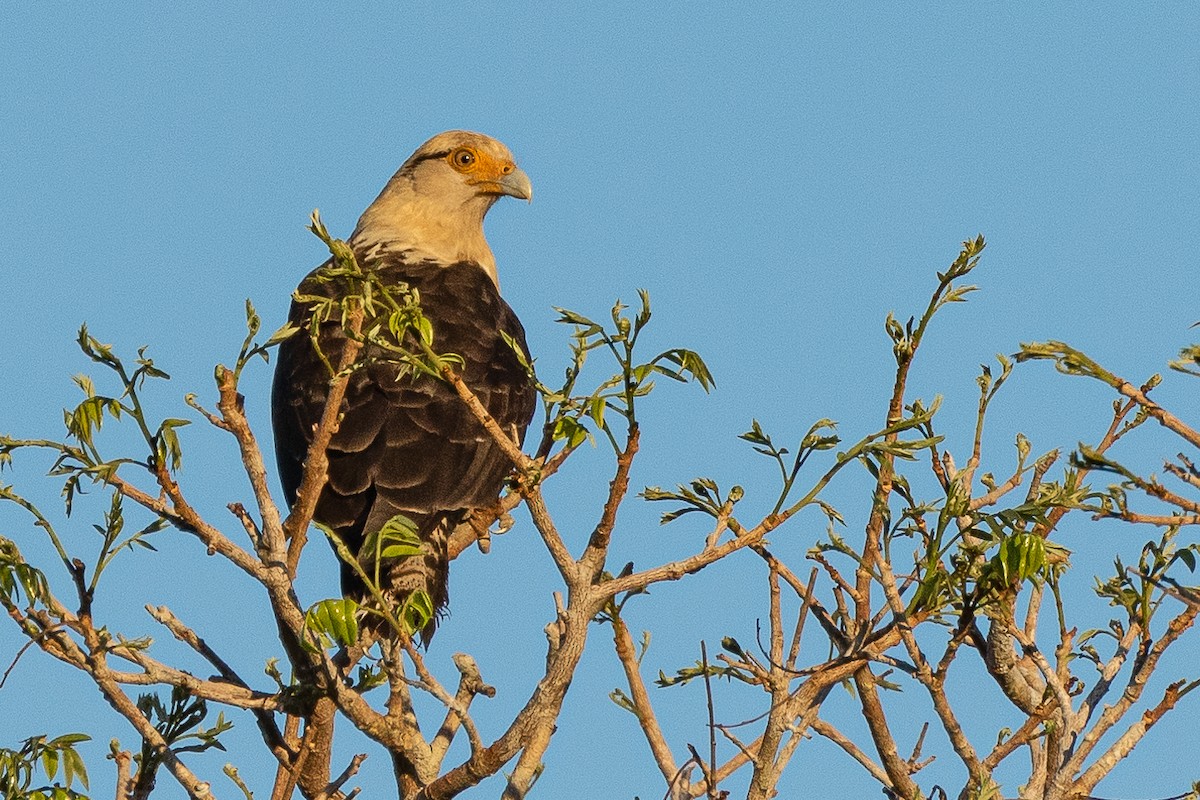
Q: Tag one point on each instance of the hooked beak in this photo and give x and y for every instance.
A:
(516, 184)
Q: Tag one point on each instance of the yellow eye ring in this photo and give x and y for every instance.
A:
(463, 158)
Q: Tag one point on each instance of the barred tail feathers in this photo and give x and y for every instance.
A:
(400, 577)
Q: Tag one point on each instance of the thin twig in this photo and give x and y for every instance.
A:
(316, 462)
(336, 784)
(710, 772)
(647, 720)
(263, 718)
(17, 658)
(840, 739)
(470, 684)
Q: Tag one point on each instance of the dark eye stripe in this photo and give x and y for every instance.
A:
(429, 156)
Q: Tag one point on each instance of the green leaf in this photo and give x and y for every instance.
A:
(572, 318)
(417, 612)
(283, 334)
(401, 551)
(370, 676)
(1021, 557)
(253, 321)
(569, 429)
(756, 435)
(643, 315)
(70, 740)
(596, 406)
(1188, 557)
(400, 528)
(398, 538)
(334, 620)
(74, 768)
(271, 669)
(50, 763)
(424, 329)
(621, 699)
(518, 351)
(691, 363)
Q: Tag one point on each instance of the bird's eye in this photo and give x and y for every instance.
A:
(462, 158)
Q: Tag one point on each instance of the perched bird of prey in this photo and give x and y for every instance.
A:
(407, 444)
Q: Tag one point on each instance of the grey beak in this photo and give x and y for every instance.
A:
(517, 184)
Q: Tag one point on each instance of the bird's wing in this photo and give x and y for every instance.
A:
(407, 443)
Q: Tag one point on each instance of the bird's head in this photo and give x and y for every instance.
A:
(468, 168)
(435, 204)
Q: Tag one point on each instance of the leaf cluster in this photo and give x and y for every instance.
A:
(702, 494)
(907, 338)
(19, 769)
(392, 325)
(180, 722)
(571, 418)
(685, 675)
(819, 437)
(18, 577)
(1140, 589)
(397, 539)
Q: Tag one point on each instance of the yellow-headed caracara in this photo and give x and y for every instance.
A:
(407, 444)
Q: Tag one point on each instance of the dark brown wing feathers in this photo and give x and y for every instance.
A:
(407, 444)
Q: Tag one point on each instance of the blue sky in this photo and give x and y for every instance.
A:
(778, 177)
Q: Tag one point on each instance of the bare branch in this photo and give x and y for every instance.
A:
(264, 719)
(934, 683)
(1029, 730)
(470, 684)
(544, 523)
(1159, 520)
(184, 517)
(434, 687)
(316, 461)
(1143, 669)
(837, 737)
(1157, 412)
(271, 543)
(647, 720)
(995, 494)
(896, 768)
(124, 760)
(710, 770)
(592, 560)
(239, 511)
(1124, 745)
(1057, 688)
(337, 783)
(505, 439)
(100, 673)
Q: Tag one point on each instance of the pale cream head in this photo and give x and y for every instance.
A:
(433, 207)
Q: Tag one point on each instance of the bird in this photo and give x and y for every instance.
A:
(407, 444)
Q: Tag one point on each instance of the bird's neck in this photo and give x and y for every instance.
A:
(415, 227)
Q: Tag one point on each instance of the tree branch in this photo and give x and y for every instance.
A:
(316, 461)
(642, 706)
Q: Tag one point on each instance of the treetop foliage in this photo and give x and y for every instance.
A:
(971, 569)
